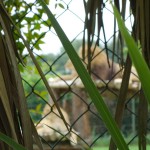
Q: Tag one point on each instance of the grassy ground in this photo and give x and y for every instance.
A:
(103, 143)
(131, 147)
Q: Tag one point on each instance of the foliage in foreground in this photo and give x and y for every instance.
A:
(94, 94)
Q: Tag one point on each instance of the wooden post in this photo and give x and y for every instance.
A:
(81, 114)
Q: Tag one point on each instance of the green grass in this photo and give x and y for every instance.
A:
(103, 143)
(131, 147)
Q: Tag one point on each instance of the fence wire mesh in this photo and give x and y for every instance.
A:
(85, 125)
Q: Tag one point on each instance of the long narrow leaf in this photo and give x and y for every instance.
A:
(23, 110)
(89, 85)
(5, 101)
(11, 142)
(137, 59)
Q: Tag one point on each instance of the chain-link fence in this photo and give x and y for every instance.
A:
(85, 127)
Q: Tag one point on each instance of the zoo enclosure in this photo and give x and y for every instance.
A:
(69, 97)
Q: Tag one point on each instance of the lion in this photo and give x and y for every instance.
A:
(52, 128)
(102, 67)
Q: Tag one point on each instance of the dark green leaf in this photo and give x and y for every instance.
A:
(11, 142)
(61, 5)
(136, 56)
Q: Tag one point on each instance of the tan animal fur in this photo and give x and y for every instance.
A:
(99, 65)
(100, 68)
(46, 128)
